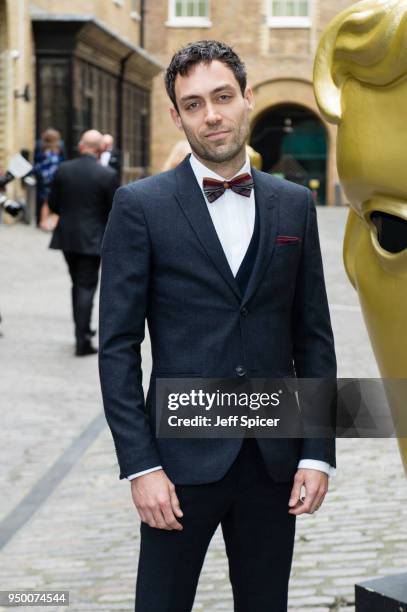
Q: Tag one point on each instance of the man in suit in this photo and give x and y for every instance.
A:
(224, 263)
(110, 156)
(82, 194)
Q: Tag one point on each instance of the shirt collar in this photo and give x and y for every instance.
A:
(201, 171)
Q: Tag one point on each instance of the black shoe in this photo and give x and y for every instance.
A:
(86, 349)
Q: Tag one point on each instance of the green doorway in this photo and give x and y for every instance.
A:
(293, 143)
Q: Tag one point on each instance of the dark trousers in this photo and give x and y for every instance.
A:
(258, 532)
(84, 270)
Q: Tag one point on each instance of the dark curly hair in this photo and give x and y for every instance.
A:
(203, 51)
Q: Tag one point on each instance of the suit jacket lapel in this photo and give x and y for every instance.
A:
(192, 202)
(267, 207)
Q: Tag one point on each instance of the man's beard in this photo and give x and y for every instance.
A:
(221, 153)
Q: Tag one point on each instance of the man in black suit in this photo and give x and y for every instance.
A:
(111, 156)
(82, 194)
(224, 263)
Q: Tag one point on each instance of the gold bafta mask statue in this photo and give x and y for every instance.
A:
(360, 79)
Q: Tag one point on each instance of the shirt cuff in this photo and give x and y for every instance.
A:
(137, 474)
(314, 464)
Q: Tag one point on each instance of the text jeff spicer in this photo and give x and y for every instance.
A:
(230, 421)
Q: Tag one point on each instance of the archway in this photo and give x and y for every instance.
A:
(292, 141)
(3, 85)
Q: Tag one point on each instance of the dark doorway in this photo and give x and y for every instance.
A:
(292, 142)
(88, 78)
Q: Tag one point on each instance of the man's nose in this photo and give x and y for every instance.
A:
(212, 115)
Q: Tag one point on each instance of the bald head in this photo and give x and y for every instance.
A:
(91, 143)
(107, 142)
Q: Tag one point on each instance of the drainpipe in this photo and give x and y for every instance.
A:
(119, 106)
(142, 23)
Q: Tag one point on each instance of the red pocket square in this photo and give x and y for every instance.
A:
(287, 239)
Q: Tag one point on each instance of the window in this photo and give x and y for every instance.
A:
(290, 13)
(191, 8)
(136, 130)
(189, 13)
(52, 96)
(94, 100)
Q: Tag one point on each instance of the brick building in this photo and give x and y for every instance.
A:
(75, 64)
(277, 40)
(72, 65)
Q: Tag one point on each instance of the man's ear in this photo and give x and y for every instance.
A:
(249, 97)
(176, 118)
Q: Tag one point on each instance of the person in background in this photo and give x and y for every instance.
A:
(47, 158)
(110, 156)
(82, 194)
(177, 154)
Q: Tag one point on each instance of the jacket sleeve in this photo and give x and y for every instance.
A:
(314, 350)
(111, 187)
(125, 276)
(54, 194)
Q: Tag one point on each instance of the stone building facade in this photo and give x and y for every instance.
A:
(277, 40)
(76, 64)
(73, 65)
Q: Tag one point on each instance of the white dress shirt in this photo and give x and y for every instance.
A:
(233, 217)
(105, 158)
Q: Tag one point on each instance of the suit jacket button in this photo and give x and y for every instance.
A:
(240, 371)
(244, 312)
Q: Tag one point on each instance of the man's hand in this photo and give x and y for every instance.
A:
(316, 487)
(156, 501)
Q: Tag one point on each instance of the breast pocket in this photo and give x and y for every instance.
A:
(287, 252)
(282, 270)
(284, 240)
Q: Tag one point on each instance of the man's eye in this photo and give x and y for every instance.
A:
(192, 106)
(224, 97)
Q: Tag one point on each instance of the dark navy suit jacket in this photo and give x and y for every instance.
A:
(162, 261)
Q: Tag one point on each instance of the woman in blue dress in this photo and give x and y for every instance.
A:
(48, 155)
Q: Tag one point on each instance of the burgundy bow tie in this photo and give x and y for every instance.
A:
(242, 184)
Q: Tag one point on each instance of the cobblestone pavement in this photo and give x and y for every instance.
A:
(84, 536)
